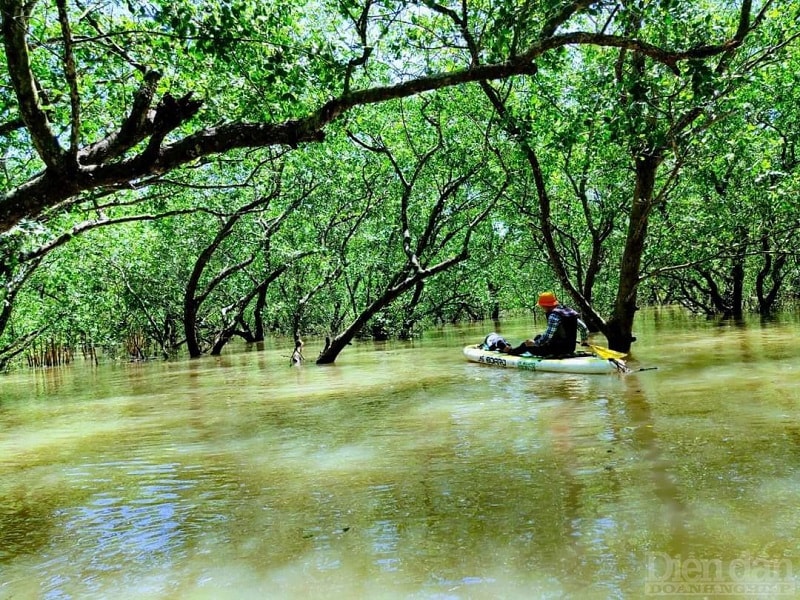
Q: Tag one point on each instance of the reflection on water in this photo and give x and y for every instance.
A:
(402, 472)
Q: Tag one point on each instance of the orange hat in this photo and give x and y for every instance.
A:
(547, 300)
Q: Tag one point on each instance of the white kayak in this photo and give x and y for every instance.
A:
(588, 363)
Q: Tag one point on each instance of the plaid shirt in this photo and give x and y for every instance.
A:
(553, 320)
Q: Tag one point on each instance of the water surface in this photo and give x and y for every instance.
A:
(403, 471)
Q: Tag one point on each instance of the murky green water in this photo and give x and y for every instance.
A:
(404, 471)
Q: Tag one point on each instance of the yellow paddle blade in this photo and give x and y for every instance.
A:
(607, 352)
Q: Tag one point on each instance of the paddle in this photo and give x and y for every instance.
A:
(607, 352)
(615, 357)
(612, 356)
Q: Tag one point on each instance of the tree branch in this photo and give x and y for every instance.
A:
(71, 75)
(49, 188)
(562, 16)
(14, 26)
(136, 127)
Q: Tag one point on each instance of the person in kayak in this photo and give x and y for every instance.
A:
(563, 327)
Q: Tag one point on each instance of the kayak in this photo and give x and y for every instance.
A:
(580, 363)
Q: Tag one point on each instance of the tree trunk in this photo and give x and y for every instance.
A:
(258, 315)
(409, 319)
(332, 350)
(190, 322)
(494, 289)
(338, 343)
(737, 283)
(619, 328)
(222, 338)
(774, 270)
(737, 275)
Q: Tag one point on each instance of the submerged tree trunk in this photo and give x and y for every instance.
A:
(494, 289)
(772, 269)
(258, 315)
(338, 343)
(236, 324)
(619, 328)
(190, 306)
(737, 283)
(409, 314)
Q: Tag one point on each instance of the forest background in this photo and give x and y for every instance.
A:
(179, 173)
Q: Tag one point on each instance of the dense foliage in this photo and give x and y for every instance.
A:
(179, 173)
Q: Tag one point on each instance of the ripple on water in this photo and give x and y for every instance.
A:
(129, 516)
(380, 478)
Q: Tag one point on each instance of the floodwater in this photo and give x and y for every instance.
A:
(403, 471)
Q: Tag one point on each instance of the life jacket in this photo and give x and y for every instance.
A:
(566, 335)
